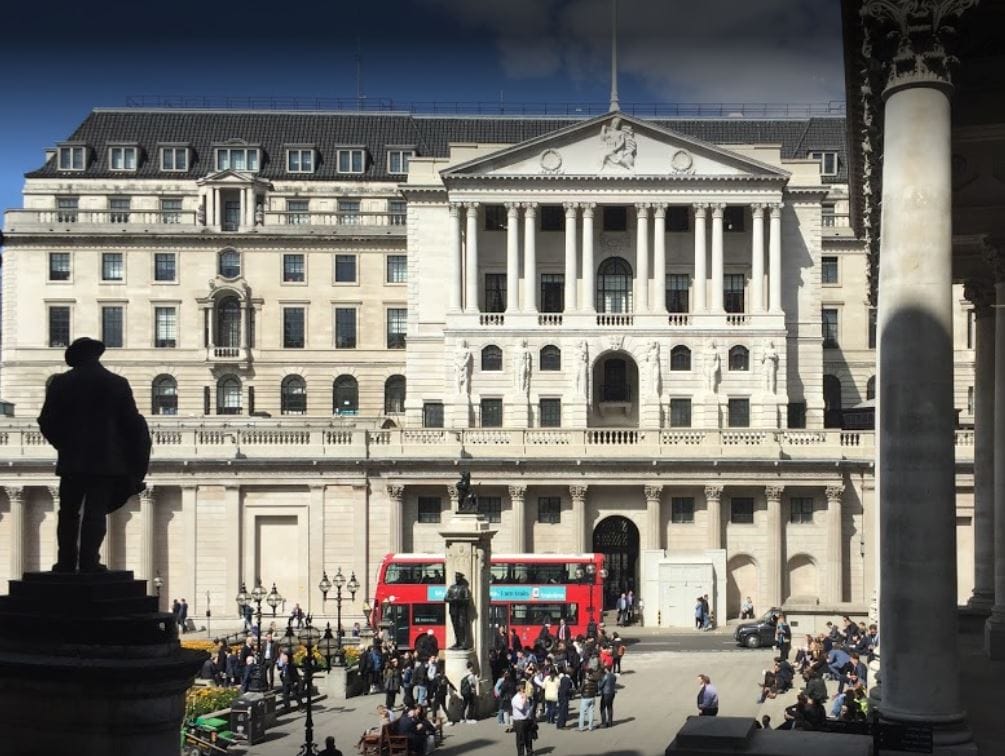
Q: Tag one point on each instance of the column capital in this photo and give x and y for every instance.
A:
(15, 494)
(700, 208)
(717, 209)
(455, 207)
(994, 254)
(395, 492)
(517, 492)
(471, 207)
(588, 208)
(774, 493)
(570, 208)
(529, 208)
(776, 208)
(148, 495)
(980, 292)
(713, 493)
(653, 492)
(512, 208)
(757, 208)
(54, 493)
(834, 493)
(578, 491)
(642, 208)
(660, 209)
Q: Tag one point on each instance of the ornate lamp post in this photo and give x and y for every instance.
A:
(338, 582)
(158, 584)
(330, 647)
(257, 596)
(309, 637)
(367, 609)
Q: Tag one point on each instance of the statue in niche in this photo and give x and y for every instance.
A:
(200, 214)
(458, 600)
(462, 364)
(770, 362)
(653, 358)
(583, 369)
(259, 214)
(467, 499)
(712, 367)
(621, 144)
(523, 364)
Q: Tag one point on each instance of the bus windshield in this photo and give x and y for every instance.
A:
(414, 572)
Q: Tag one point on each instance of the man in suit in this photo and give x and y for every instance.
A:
(182, 616)
(103, 447)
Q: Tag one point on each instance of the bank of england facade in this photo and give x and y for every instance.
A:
(640, 337)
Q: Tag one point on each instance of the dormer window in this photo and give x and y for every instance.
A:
(72, 158)
(237, 159)
(174, 158)
(397, 159)
(300, 160)
(122, 158)
(351, 160)
(828, 162)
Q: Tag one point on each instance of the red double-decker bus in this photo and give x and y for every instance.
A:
(526, 590)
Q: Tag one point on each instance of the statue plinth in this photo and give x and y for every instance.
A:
(90, 666)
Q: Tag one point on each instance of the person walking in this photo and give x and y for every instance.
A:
(783, 636)
(622, 608)
(392, 683)
(183, 616)
(522, 722)
(699, 614)
(469, 695)
(587, 699)
(551, 685)
(706, 613)
(289, 675)
(565, 688)
(619, 652)
(607, 688)
(708, 697)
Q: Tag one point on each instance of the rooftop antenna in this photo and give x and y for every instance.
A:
(614, 57)
(359, 76)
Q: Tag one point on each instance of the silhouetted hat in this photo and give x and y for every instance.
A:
(83, 350)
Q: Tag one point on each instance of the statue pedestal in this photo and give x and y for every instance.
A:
(89, 666)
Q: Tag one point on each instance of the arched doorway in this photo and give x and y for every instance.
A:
(615, 391)
(741, 581)
(617, 539)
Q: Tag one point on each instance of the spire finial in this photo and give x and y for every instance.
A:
(614, 57)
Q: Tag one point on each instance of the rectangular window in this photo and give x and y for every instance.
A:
(732, 292)
(492, 413)
(118, 209)
(348, 212)
(828, 162)
(872, 328)
(495, 218)
(72, 158)
(165, 327)
(970, 400)
(829, 322)
(739, 413)
(495, 292)
(797, 415)
(733, 217)
(293, 268)
(678, 289)
(682, 509)
(432, 415)
(397, 269)
(397, 318)
(345, 327)
(741, 510)
(549, 510)
(59, 266)
(552, 218)
(350, 161)
(615, 218)
(59, 326)
(829, 270)
(293, 327)
(490, 507)
(429, 509)
(171, 210)
(397, 212)
(680, 413)
(550, 413)
(678, 218)
(122, 158)
(111, 266)
(165, 268)
(300, 161)
(236, 159)
(345, 268)
(397, 160)
(801, 510)
(552, 292)
(298, 212)
(971, 323)
(111, 326)
(174, 158)
(66, 209)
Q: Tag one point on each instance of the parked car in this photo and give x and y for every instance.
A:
(760, 632)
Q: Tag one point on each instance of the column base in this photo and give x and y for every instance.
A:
(981, 603)
(994, 635)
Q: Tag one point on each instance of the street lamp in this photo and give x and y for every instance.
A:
(257, 596)
(308, 637)
(330, 647)
(338, 582)
(158, 584)
(273, 599)
(367, 609)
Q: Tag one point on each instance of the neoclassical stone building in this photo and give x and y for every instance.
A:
(638, 335)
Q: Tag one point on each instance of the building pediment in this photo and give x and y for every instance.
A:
(234, 178)
(614, 146)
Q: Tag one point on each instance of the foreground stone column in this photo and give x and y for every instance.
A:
(642, 257)
(147, 545)
(530, 257)
(588, 294)
(471, 258)
(659, 259)
(757, 260)
(775, 259)
(775, 562)
(577, 494)
(571, 209)
(454, 267)
(15, 495)
(700, 253)
(512, 256)
(835, 526)
(395, 500)
(717, 261)
(994, 634)
(713, 505)
(654, 496)
(517, 497)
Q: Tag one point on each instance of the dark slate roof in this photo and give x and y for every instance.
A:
(430, 135)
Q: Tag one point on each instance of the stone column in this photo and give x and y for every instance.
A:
(248, 205)
(530, 257)
(15, 495)
(211, 204)
(835, 564)
(577, 493)
(211, 325)
(700, 253)
(217, 205)
(148, 549)
(775, 561)
(994, 633)
(713, 505)
(982, 294)
(717, 276)
(642, 257)
(518, 503)
(395, 500)
(659, 259)
(471, 259)
(757, 260)
(454, 267)
(588, 293)
(775, 259)
(570, 256)
(654, 496)
(243, 333)
(512, 256)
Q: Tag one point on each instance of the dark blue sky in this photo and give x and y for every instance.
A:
(58, 60)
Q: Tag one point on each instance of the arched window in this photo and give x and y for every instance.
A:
(229, 263)
(739, 358)
(394, 395)
(228, 323)
(832, 401)
(165, 395)
(551, 358)
(228, 395)
(614, 285)
(491, 358)
(870, 388)
(293, 396)
(680, 358)
(345, 396)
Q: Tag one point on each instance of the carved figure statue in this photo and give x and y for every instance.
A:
(458, 598)
(770, 362)
(462, 364)
(712, 367)
(200, 214)
(583, 369)
(259, 214)
(621, 144)
(523, 365)
(653, 358)
(467, 500)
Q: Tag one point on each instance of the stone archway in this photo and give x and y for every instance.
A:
(741, 581)
(617, 538)
(615, 391)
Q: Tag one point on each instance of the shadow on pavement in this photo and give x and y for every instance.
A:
(470, 746)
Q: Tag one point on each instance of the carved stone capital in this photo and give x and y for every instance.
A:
(455, 208)
(570, 209)
(699, 209)
(659, 209)
(15, 494)
(578, 492)
(757, 208)
(713, 493)
(995, 256)
(147, 495)
(529, 208)
(517, 492)
(395, 492)
(588, 209)
(980, 292)
(512, 208)
(776, 208)
(642, 209)
(774, 493)
(472, 208)
(653, 492)
(718, 209)
(834, 493)
(54, 493)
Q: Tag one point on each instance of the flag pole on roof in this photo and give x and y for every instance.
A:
(614, 57)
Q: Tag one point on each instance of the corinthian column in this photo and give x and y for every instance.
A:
(15, 495)
(512, 256)
(395, 500)
(642, 257)
(775, 258)
(660, 259)
(835, 564)
(577, 493)
(147, 546)
(654, 496)
(454, 266)
(700, 253)
(717, 263)
(517, 500)
(757, 260)
(773, 495)
(995, 628)
(713, 507)
(471, 259)
(589, 287)
(570, 256)
(530, 257)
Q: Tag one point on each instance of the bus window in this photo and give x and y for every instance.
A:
(428, 614)
(413, 572)
(499, 573)
(498, 615)
(538, 614)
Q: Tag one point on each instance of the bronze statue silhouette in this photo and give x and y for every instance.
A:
(458, 598)
(467, 500)
(103, 446)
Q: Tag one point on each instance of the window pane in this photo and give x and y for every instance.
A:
(252, 160)
(552, 292)
(491, 358)
(396, 325)
(394, 395)
(432, 415)
(829, 270)
(732, 291)
(829, 319)
(495, 292)
(348, 211)
(739, 413)
(680, 413)
(491, 413)
(429, 509)
(164, 266)
(171, 210)
(293, 268)
(59, 326)
(165, 396)
(552, 218)
(165, 327)
(742, 511)
(357, 161)
(677, 289)
(680, 358)
(678, 218)
(549, 510)
(551, 358)
(59, 266)
(490, 507)
(551, 413)
(111, 266)
(398, 211)
(293, 328)
(345, 327)
(230, 264)
(118, 209)
(66, 208)
(297, 212)
(111, 326)
(682, 509)
(797, 415)
(397, 268)
(495, 218)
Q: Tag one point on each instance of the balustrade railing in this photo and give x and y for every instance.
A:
(189, 219)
